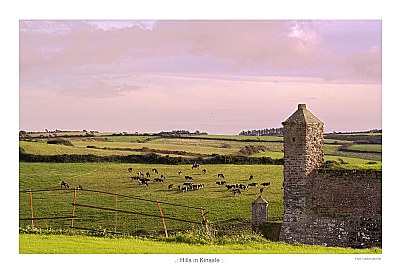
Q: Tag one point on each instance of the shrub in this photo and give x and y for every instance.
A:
(61, 141)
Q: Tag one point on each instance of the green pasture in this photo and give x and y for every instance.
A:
(220, 203)
(240, 137)
(366, 147)
(63, 244)
(127, 138)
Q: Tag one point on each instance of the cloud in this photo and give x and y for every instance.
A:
(365, 65)
(54, 50)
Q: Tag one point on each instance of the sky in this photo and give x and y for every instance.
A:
(217, 76)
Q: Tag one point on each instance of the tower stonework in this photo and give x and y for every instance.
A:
(322, 205)
(303, 135)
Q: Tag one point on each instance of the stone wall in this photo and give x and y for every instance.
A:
(343, 208)
(326, 207)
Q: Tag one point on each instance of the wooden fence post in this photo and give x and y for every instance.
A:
(31, 205)
(204, 220)
(163, 220)
(116, 213)
(73, 209)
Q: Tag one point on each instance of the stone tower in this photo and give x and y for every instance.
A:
(259, 212)
(303, 135)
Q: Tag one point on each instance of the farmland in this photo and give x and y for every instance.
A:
(226, 213)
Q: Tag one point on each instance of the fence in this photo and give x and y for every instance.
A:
(94, 210)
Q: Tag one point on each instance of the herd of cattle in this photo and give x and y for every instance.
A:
(236, 188)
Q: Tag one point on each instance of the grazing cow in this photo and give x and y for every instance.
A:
(221, 176)
(230, 186)
(135, 178)
(188, 185)
(140, 174)
(204, 171)
(64, 184)
(266, 184)
(184, 189)
(223, 182)
(261, 190)
(180, 173)
(158, 180)
(236, 192)
(130, 169)
(163, 177)
(254, 184)
(195, 166)
(170, 186)
(218, 183)
(144, 179)
(155, 171)
(243, 187)
(188, 178)
(251, 177)
(143, 182)
(79, 187)
(147, 175)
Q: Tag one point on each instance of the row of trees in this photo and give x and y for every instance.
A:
(263, 132)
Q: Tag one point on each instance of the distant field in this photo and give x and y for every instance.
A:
(61, 244)
(366, 147)
(241, 137)
(128, 138)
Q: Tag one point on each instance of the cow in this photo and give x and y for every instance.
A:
(64, 184)
(143, 182)
(130, 169)
(188, 178)
(254, 184)
(261, 190)
(155, 171)
(204, 171)
(188, 185)
(266, 184)
(158, 180)
(135, 178)
(251, 177)
(180, 173)
(163, 177)
(195, 166)
(221, 176)
(147, 175)
(140, 174)
(144, 179)
(236, 192)
(79, 187)
(170, 186)
(230, 186)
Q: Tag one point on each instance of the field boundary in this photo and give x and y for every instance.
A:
(114, 209)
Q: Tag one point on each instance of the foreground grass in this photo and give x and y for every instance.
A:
(62, 244)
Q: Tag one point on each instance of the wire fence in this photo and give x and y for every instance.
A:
(93, 210)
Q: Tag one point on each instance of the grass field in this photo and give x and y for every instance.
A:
(367, 147)
(225, 212)
(114, 177)
(61, 244)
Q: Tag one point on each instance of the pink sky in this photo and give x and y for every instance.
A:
(215, 76)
